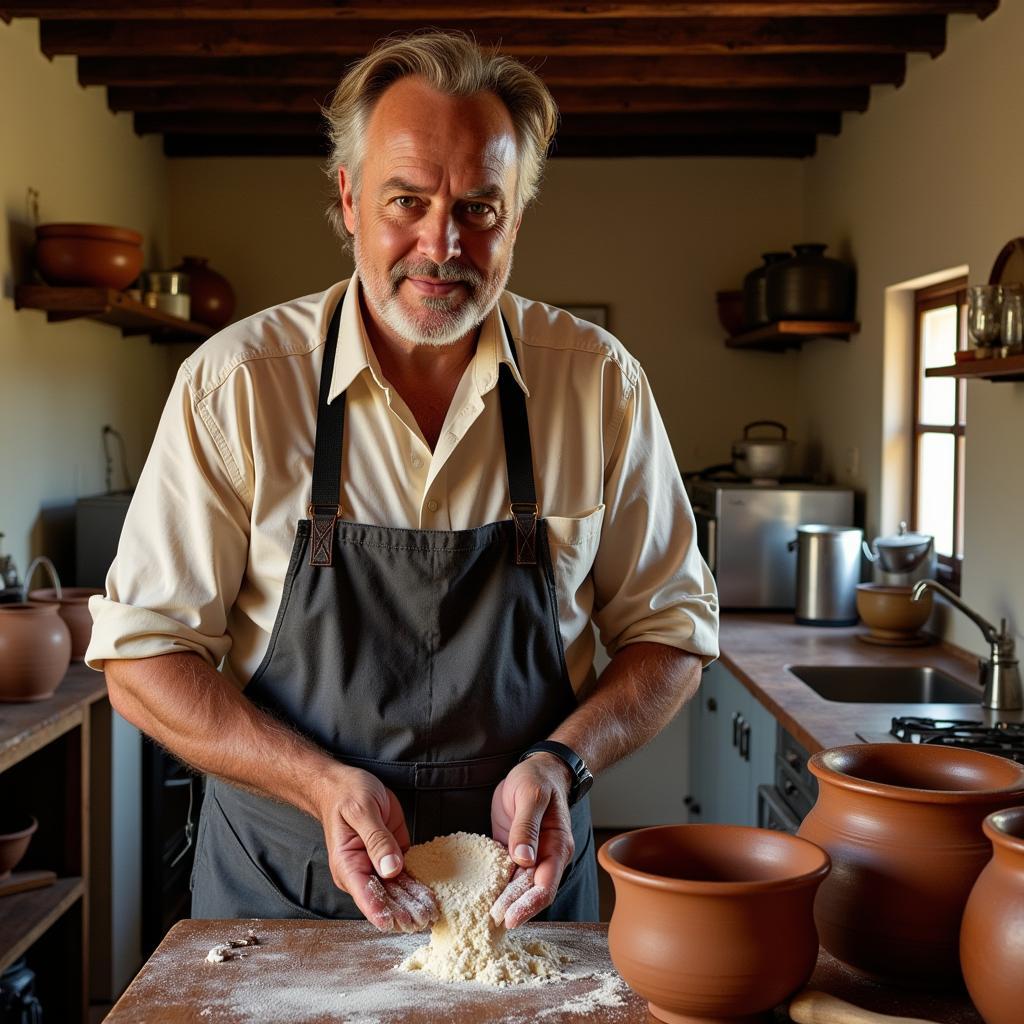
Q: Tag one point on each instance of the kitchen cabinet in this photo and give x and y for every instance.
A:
(48, 769)
(732, 750)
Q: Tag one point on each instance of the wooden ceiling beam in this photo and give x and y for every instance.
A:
(426, 11)
(655, 99)
(605, 36)
(708, 70)
(590, 125)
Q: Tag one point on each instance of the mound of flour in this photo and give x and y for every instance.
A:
(467, 873)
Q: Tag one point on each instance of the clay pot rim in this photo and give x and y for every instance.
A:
(69, 595)
(9, 837)
(998, 824)
(695, 887)
(889, 588)
(818, 766)
(95, 232)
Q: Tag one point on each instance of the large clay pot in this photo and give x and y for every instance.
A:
(88, 254)
(902, 823)
(213, 300)
(73, 608)
(992, 933)
(35, 651)
(809, 286)
(713, 922)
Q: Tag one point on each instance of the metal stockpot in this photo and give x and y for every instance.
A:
(827, 574)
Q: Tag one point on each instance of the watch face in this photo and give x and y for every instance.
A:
(582, 787)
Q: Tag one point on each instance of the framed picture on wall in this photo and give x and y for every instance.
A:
(595, 314)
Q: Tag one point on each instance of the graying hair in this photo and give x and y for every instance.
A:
(452, 63)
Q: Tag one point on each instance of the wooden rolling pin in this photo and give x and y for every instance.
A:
(812, 1007)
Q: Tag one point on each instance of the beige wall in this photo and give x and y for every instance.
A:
(651, 239)
(62, 382)
(927, 181)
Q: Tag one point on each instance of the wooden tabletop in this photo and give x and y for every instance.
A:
(316, 972)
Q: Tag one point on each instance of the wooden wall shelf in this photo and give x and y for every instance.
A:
(1004, 368)
(787, 334)
(26, 915)
(108, 306)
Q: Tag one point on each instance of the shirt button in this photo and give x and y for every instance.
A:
(416, 462)
(432, 505)
(451, 436)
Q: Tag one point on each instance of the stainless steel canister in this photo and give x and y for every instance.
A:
(827, 573)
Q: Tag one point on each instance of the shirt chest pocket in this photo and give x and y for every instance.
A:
(574, 541)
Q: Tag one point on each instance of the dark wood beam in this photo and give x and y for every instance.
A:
(564, 37)
(184, 145)
(271, 100)
(705, 70)
(591, 125)
(423, 10)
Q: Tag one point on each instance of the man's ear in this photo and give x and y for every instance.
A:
(346, 193)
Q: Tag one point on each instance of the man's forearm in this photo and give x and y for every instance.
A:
(637, 695)
(197, 714)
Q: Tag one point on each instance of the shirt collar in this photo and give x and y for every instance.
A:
(355, 354)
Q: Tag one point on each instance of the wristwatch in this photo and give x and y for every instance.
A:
(582, 779)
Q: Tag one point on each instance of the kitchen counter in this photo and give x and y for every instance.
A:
(757, 647)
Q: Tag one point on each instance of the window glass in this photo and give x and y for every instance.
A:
(938, 348)
(936, 489)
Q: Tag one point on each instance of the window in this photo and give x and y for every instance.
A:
(937, 485)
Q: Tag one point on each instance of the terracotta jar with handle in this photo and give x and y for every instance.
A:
(992, 932)
(35, 651)
(902, 823)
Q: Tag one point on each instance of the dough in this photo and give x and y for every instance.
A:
(467, 873)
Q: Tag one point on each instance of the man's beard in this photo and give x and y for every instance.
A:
(450, 318)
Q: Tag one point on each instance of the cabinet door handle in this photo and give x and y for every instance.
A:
(712, 704)
(792, 759)
(736, 719)
(745, 741)
(788, 788)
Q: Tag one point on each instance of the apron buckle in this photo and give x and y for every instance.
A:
(321, 543)
(524, 515)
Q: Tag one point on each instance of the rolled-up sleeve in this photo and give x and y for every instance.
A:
(650, 582)
(183, 550)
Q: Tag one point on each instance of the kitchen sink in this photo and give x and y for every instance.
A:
(885, 684)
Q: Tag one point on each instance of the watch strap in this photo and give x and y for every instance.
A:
(581, 775)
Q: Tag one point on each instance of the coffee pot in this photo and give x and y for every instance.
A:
(901, 559)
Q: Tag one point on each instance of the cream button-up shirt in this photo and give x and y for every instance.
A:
(206, 543)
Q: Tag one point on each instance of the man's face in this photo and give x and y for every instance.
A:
(435, 220)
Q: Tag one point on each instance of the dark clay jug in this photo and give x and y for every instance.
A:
(755, 295)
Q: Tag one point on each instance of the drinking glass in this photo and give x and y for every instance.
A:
(1012, 330)
(984, 313)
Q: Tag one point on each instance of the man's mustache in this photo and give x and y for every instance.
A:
(450, 271)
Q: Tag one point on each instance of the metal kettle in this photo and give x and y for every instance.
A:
(903, 558)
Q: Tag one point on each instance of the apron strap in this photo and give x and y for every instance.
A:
(324, 508)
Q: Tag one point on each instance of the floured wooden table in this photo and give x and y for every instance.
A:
(343, 971)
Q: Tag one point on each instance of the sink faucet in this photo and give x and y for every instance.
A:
(999, 675)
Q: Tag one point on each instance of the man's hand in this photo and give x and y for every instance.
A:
(365, 833)
(530, 815)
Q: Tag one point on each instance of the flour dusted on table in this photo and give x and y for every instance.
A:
(467, 873)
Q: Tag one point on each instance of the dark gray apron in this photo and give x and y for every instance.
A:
(429, 658)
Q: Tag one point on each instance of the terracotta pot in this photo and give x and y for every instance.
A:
(213, 300)
(730, 311)
(35, 651)
(73, 608)
(15, 834)
(88, 254)
(992, 933)
(889, 612)
(713, 922)
(902, 823)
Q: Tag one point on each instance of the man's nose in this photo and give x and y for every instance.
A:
(439, 237)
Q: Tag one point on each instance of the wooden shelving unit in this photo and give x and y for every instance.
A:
(108, 306)
(787, 334)
(46, 762)
(1004, 368)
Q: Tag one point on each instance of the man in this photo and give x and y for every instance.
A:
(475, 477)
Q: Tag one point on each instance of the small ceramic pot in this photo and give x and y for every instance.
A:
(903, 825)
(15, 835)
(890, 612)
(35, 651)
(992, 932)
(73, 608)
(713, 922)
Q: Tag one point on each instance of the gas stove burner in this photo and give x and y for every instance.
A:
(1004, 738)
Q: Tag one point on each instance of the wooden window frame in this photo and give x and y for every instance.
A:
(947, 293)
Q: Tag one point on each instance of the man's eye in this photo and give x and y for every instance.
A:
(406, 202)
(478, 209)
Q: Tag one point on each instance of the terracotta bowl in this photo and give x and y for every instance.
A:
(730, 312)
(713, 922)
(73, 608)
(15, 834)
(88, 254)
(992, 932)
(35, 651)
(889, 612)
(903, 825)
